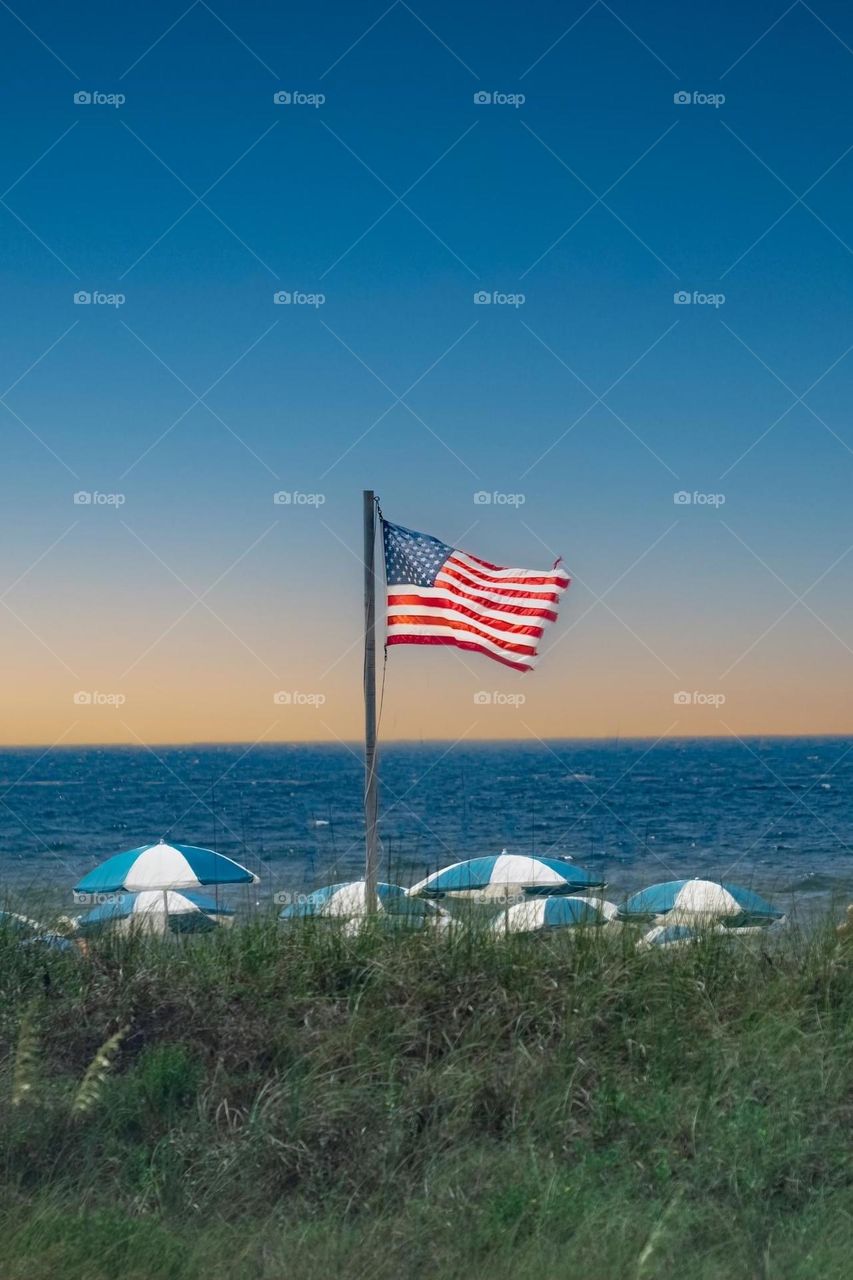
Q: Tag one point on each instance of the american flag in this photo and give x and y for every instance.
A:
(440, 595)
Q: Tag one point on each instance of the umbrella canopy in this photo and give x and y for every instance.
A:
(563, 912)
(164, 866)
(16, 923)
(681, 933)
(703, 899)
(505, 875)
(53, 941)
(672, 935)
(156, 910)
(30, 933)
(347, 902)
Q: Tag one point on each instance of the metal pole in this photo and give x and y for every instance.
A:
(371, 861)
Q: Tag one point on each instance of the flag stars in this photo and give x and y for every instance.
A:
(412, 558)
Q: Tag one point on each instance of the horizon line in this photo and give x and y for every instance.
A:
(359, 742)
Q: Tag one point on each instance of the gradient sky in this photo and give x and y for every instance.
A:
(398, 199)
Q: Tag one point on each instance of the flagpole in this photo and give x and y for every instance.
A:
(371, 851)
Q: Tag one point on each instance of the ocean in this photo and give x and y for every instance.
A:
(775, 814)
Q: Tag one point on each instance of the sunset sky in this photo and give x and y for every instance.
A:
(183, 598)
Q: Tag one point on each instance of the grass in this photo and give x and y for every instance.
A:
(273, 1103)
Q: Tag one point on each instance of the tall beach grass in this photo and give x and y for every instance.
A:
(266, 1102)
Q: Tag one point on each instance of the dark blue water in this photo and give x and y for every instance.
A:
(776, 814)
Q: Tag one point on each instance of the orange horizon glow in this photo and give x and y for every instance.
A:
(432, 700)
(192, 678)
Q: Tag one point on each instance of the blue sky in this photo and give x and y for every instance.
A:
(398, 199)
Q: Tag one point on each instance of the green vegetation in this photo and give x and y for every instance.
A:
(262, 1103)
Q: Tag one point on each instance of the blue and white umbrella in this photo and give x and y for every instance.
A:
(536, 915)
(347, 902)
(164, 866)
(156, 911)
(16, 923)
(32, 934)
(507, 875)
(692, 900)
(681, 933)
(673, 935)
(52, 941)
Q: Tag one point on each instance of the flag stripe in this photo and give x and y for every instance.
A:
(443, 622)
(485, 564)
(440, 601)
(500, 592)
(457, 643)
(560, 580)
(500, 604)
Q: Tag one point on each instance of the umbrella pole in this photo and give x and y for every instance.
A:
(370, 781)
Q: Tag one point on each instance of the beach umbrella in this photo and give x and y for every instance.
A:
(692, 900)
(16, 923)
(30, 933)
(347, 902)
(51, 940)
(164, 866)
(157, 911)
(673, 935)
(507, 875)
(681, 933)
(536, 915)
